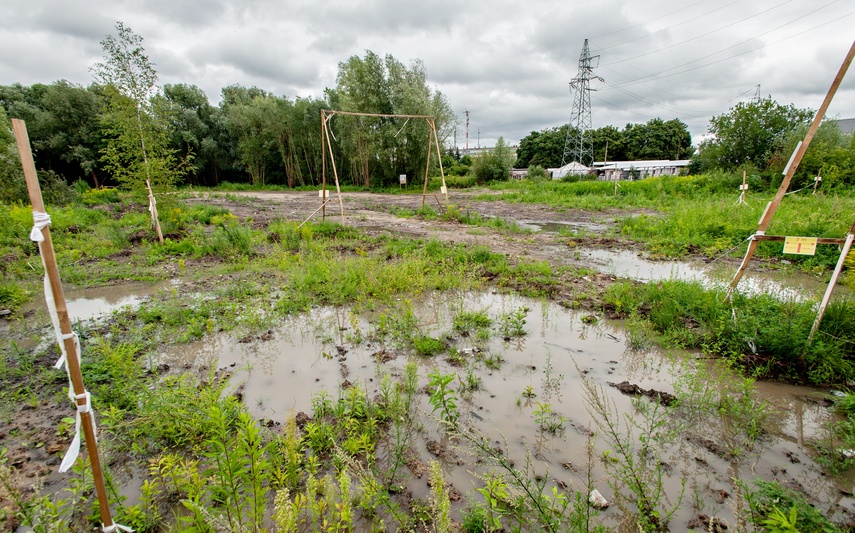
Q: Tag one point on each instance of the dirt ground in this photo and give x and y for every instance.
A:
(374, 213)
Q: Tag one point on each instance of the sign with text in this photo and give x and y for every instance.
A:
(800, 245)
(403, 179)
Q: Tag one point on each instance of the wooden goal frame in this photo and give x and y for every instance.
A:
(327, 149)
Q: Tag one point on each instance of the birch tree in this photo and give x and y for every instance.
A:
(137, 145)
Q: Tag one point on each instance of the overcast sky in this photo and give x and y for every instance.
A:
(507, 62)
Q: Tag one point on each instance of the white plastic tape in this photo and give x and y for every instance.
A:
(40, 221)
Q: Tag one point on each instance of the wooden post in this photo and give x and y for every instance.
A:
(742, 189)
(335, 171)
(439, 158)
(816, 181)
(152, 206)
(791, 170)
(323, 164)
(72, 357)
(837, 269)
(427, 168)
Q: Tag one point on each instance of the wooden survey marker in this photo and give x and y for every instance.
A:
(69, 339)
(790, 170)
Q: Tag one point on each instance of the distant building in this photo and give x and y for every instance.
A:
(630, 170)
(847, 125)
(519, 173)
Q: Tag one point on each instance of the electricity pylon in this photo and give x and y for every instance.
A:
(579, 142)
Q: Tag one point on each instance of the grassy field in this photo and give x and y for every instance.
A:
(227, 472)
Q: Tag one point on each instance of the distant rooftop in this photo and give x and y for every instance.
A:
(847, 125)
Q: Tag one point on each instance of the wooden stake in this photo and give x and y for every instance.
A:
(837, 269)
(325, 120)
(816, 181)
(439, 158)
(152, 204)
(72, 359)
(323, 166)
(794, 164)
(427, 168)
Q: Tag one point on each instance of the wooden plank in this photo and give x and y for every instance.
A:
(819, 240)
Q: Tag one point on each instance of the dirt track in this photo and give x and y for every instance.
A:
(374, 213)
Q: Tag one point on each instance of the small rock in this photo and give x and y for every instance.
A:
(5, 312)
(597, 500)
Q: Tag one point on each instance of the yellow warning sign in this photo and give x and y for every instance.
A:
(800, 245)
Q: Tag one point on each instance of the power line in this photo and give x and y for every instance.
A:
(649, 21)
(661, 74)
(684, 112)
(703, 34)
(671, 27)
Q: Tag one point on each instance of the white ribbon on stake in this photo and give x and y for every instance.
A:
(151, 203)
(41, 221)
(115, 527)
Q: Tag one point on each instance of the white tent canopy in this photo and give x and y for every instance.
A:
(570, 168)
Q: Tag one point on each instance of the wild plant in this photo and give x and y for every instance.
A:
(322, 404)
(440, 505)
(470, 381)
(777, 508)
(639, 442)
(529, 505)
(442, 397)
(493, 361)
(239, 476)
(43, 514)
(496, 501)
(551, 383)
(287, 454)
(512, 323)
(427, 346)
(548, 420)
(465, 322)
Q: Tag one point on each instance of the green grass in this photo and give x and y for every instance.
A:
(697, 214)
(765, 335)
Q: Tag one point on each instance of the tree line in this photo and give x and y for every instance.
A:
(657, 139)
(122, 128)
(757, 137)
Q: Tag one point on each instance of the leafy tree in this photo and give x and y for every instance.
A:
(12, 185)
(62, 123)
(831, 154)
(657, 139)
(609, 144)
(248, 118)
(544, 148)
(494, 165)
(197, 131)
(381, 148)
(137, 145)
(745, 136)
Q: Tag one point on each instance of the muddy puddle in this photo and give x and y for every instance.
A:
(784, 285)
(320, 351)
(98, 302)
(86, 304)
(563, 227)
